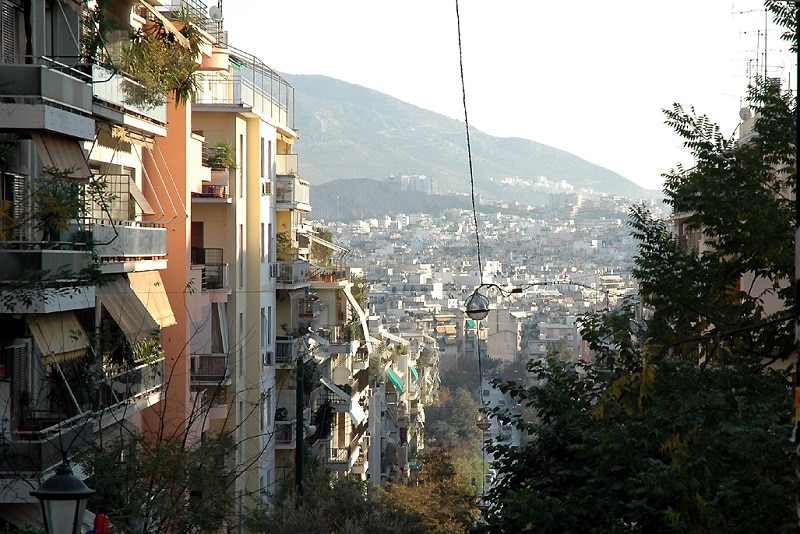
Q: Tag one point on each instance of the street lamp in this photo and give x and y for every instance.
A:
(482, 420)
(477, 306)
(63, 498)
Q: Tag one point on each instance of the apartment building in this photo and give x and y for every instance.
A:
(84, 242)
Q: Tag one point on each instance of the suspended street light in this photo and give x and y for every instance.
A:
(477, 306)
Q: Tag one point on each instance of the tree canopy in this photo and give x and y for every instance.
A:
(681, 421)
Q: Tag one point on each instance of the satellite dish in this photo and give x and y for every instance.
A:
(745, 113)
(215, 13)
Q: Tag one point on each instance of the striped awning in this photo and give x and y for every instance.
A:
(395, 379)
(62, 153)
(58, 335)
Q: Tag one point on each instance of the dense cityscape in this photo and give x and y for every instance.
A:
(187, 348)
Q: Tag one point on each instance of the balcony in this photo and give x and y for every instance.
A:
(285, 434)
(286, 352)
(331, 275)
(292, 193)
(37, 444)
(64, 258)
(209, 369)
(128, 240)
(110, 90)
(339, 337)
(215, 274)
(255, 86)
(37, 451)
(46, 95)
(286, 165)
(339, 459)
(291, 274)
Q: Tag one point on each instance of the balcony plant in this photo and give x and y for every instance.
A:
(285, 250)
(221, 156)
(161, 63)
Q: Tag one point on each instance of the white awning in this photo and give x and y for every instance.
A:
(138, 304)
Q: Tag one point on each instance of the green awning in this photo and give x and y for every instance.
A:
(394, 379)
(470, 323)
(414, 372)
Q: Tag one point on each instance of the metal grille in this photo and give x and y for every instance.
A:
(8, 30)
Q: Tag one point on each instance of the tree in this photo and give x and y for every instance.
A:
(680, 423)
(330, 504)
(439, 503)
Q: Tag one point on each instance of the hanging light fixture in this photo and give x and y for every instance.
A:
(63, 499)
(482, 420)
(477, 306)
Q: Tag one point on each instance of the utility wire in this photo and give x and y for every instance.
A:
(469, 146)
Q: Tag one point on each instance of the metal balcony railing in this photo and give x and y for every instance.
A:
(292, 272)
(114, 89)
(209, 368)
(254, 85)
(215, 273)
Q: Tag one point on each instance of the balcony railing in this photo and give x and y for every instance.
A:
(330, 274)
(128, 239)
(17, 258)
(44, 81)
(215, 273)
(38, 443)
(132, 383)
(292, 192)
(339, 459)
(209, 368)
(111, 88)
(292, 272)
(39, 450)
(255, 85)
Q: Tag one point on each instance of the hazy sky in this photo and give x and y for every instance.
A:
(583, 76)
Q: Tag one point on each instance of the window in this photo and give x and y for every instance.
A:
(241, 345)
(269, 243)
(241, 256)
(263, 329)
(263, 244)
(239, 168)
(269, 326)
(262, 158)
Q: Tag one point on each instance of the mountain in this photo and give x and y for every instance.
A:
(352, 132)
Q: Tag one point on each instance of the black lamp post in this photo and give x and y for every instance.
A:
(63, 498)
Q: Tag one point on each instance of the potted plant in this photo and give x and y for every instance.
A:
(221, 156)
(57, 201)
